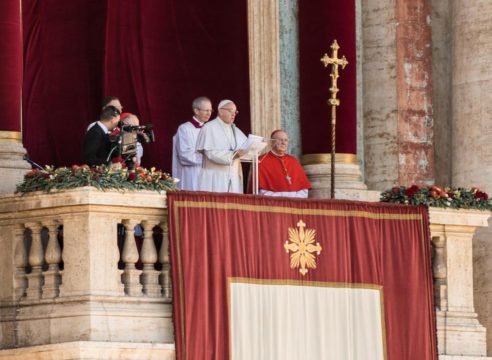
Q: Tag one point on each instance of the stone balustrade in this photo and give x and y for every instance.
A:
(85, 266)
(86, 273)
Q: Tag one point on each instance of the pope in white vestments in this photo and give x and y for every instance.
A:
(218, 141)
(187, 162)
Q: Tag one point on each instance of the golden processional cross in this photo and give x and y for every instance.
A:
(334, 61)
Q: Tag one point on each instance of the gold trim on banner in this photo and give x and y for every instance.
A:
(11, 135)
(246, 280)
(325, 284)
(340, 158)
(296, 211)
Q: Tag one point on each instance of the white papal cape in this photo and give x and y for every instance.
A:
(218, 141)
(187, 162)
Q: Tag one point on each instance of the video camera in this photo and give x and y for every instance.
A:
(129, 136)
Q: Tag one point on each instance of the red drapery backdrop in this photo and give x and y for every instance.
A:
(217, 237)
(156, 56)
(10, 66)
(321, 22)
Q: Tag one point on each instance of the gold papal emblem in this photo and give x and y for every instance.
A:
(302, 248)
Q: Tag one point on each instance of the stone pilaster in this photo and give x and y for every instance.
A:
(458, 330)
(264, 70)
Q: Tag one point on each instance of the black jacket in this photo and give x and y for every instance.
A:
(97, 147)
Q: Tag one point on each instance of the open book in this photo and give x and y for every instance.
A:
(254, 144)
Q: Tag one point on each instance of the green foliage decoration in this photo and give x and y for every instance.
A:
(443, 197)
(100, 177)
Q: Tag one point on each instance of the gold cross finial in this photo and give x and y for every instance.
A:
(301, 224)
(334, 59)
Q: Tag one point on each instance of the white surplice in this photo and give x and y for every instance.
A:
(187, 162)
(218, 141)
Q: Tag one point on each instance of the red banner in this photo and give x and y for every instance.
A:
(220, 242)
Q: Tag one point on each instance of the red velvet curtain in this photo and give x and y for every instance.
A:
(155, 55)
(10, 66)
(218, 237)
(321, 22)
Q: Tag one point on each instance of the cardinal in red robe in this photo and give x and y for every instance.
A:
(280, 174)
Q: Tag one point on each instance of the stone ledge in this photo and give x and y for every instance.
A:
(461, 217)
(82, 196)
(85, 350)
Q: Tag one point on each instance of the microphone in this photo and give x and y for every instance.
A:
(34, 164)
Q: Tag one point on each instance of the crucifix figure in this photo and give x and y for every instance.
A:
(334, 61)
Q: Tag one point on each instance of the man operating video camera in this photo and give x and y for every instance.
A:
(97, 148)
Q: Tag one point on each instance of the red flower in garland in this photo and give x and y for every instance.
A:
(412, 190)
(481, 195)
(132, 176)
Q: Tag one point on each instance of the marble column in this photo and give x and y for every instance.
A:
(289, 73)
(264, 70)
(397, 86)
(471, 33)
(12, 166)
(414, 92)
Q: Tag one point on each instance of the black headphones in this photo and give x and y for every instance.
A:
(113, 111)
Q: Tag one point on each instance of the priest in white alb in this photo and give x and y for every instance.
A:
(281, 174)
(187, 162)
(219, 141)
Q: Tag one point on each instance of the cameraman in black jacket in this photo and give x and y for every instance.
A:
(97, 149)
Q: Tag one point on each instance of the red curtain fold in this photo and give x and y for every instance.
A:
(11, 65)
(155, 55)
(215, 237)
(63, 46)
(321, 22)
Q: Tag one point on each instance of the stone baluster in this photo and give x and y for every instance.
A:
(440, 273)
(164, 260)
(20, 262)
(148, 257)
(52, 278)
(36, 260)
(130, 276)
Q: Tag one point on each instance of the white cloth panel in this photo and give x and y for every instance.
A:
(292, 322)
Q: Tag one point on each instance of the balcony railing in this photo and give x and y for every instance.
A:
(84, 267)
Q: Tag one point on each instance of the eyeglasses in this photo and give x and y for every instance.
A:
(231, 111)
(206, 110)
